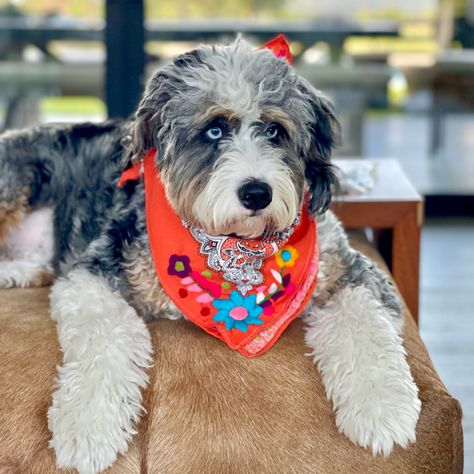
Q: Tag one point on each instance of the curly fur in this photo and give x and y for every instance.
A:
(100, 254)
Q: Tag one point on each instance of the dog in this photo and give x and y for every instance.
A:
(221, 117)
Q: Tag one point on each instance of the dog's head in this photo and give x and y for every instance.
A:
(240, 137)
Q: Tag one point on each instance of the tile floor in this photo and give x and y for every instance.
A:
(447, 313)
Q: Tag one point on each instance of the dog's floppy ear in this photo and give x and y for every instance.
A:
(141, 138)
(150, 122)
(146, 121)
(325, 135)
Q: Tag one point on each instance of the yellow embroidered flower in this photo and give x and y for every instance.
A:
(286, 256)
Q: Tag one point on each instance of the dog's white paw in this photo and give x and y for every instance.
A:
(356, 344)
(107, 349)
(381, 419)
(89, 429)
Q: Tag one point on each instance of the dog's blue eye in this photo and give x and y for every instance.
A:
(272, 132)
(214, 133)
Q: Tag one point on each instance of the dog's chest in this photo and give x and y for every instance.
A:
(152, 302)
(147, 294)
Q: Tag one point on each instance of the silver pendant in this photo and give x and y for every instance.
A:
(240, 260)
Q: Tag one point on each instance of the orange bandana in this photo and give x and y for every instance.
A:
(243, 291)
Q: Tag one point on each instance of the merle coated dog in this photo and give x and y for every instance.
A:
(219, 116)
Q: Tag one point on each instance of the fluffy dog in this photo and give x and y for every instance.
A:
(221, 117)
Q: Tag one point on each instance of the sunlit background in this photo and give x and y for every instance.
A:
(399, 71)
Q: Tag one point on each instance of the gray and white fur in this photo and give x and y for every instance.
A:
(240, 138)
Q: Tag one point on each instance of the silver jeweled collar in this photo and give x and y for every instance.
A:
(239, 260)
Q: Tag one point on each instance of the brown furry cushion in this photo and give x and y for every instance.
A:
(210, 410)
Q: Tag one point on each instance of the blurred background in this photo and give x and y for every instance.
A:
(401, 73)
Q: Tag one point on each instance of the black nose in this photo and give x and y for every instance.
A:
(255, 195)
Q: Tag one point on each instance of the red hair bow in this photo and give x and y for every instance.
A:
(280, 47)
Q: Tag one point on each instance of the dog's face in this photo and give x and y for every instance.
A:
(240, 136)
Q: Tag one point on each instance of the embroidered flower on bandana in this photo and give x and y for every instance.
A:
(268, 308)
(207, 285)
(179, 266)
(238, 311)
(286, 256)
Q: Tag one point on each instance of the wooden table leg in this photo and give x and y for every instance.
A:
(406, 257)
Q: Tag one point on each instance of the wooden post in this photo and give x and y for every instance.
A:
(124, 40)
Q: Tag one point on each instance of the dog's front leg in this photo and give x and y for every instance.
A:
(106, 349)
(353, 329)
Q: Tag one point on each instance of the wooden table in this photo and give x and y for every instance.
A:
(394, 210)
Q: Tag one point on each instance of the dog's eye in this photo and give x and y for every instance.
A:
(272, 131)
(214, 133)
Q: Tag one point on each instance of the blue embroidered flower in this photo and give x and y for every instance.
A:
(238, 311)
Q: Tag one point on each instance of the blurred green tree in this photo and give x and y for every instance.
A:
(159, 9)
(164, 9)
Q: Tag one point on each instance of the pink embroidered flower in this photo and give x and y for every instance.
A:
(268, 308)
